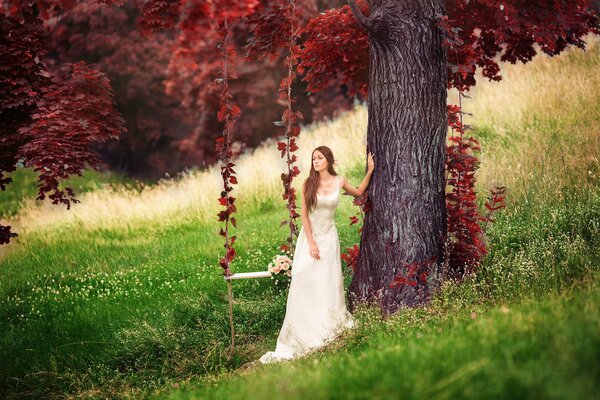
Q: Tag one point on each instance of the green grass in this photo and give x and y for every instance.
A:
(134, 312)
(537, 349)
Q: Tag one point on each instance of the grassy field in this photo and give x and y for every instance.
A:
(122, 296)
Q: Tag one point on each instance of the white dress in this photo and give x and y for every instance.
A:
(316, 306)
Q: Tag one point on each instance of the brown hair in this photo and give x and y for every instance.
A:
(312, 182)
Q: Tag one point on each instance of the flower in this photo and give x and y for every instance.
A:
(279, 266)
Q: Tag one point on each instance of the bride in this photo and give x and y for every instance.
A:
(316, 306)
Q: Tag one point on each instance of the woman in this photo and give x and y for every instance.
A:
(316, 306)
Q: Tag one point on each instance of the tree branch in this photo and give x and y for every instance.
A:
(363, 21)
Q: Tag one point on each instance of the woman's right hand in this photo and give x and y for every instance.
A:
(314, 250)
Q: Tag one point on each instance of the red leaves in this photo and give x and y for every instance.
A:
(157, 15)
(509, 30)
(336, 51)
(289, 119)
(350, 257)
(495, 202)
(6, 234)
(364, 206)
(463, 216)
(21, 84)
(293, 145)
(74, 114)
(282, 147)
(415, 272)
(277, 16)
(229, 113)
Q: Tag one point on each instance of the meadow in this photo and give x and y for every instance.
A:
(122, 295)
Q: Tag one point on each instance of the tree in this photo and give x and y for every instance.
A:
(407, 131)
(407, 117)
(404, 54)
(49, 122)
(164, 87)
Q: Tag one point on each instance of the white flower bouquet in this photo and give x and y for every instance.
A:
(280, 269)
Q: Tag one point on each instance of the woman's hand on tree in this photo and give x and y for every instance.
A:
(370, 163)
(314, 250)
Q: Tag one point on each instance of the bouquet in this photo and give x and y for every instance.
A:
(280, 269)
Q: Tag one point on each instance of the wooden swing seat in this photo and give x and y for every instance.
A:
(247, 275)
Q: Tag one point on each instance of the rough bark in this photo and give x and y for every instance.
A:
(407, 128)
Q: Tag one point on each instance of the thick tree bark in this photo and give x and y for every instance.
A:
(407, 134)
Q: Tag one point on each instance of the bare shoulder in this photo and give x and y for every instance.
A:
(342, 180)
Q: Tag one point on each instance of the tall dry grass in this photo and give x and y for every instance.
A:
(194, 194)
(540, 125)
(543, 116)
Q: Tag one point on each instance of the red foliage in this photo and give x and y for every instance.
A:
(336, 52)
(74, 113)
(22, 80)
(277, 16)
(162, 136)
(463, 217)
(229, 114)
(364, 205)
(415, 272)
(461, 203)
(351, 256)
(50, 123)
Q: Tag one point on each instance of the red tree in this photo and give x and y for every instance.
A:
(49, 122)
(396, 52)
(164, 87)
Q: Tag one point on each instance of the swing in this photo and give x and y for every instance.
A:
(267, 273)
(250, 275)
(289, 120)
(228, 279)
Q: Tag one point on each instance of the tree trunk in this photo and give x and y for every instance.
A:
(407, 134)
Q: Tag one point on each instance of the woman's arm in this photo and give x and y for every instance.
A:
(305, 220)
(363, 185)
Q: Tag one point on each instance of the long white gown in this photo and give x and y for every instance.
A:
(316, 306)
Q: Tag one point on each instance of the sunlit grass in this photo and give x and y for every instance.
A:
(539, 127)
(193, 196)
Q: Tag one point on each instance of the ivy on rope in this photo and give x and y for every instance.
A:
(290, 120)
(229, 113)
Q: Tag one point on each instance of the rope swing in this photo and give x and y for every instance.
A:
(229, 113)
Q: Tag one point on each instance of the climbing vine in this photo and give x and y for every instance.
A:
(290, 120)
(464, 219)
(229, 114)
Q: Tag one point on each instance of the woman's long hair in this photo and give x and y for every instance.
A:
(312, 182)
